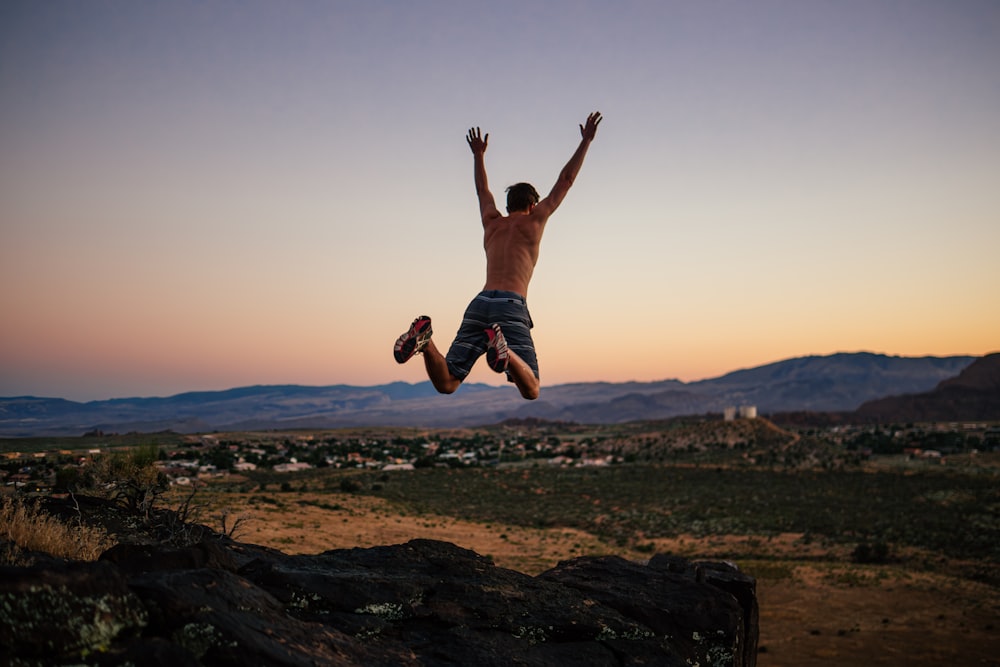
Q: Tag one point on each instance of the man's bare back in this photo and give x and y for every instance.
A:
(498, 315)
(512, 244)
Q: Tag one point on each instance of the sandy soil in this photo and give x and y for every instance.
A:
(815, 607)
(305, 523)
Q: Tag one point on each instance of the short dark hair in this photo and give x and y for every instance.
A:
(521, 197)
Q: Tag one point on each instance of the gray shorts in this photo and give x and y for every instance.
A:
(510, 311)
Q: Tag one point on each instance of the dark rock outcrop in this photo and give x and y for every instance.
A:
(420, 603)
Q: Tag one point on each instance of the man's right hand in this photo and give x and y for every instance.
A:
(589, 131)
(477, 142)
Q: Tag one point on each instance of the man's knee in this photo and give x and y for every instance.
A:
(530, 391)
(447, 385)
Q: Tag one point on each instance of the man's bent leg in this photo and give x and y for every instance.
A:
(502, 358)
(522, 375)
(437, 370)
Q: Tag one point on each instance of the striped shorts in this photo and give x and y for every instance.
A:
(510, 311)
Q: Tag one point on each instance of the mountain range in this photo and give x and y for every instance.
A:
(842, 382)
(974, 395)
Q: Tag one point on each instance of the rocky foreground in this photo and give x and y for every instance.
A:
(221, 602)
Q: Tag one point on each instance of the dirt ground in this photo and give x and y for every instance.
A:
(816, 608)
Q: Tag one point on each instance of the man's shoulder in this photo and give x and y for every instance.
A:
(493, 218)
(538, 216)
(515, 221)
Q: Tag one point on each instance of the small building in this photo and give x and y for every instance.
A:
(743, 412)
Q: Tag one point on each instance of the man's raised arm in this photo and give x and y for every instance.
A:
(572, 168)
(477, 142)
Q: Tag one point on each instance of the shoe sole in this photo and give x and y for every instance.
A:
(406, 345)
(497, 362)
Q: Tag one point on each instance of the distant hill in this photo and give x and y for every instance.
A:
(838, 382)
(974, 395)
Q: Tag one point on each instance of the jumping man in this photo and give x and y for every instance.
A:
(497, 322)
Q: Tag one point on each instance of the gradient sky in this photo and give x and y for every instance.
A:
(203, 195)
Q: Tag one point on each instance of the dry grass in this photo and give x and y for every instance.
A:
(29, 529)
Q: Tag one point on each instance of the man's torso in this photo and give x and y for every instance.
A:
(512, 243)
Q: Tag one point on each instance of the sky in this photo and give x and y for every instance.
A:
(204, 195)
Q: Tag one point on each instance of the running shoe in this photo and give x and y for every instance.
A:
(414, 340)
(497, 355)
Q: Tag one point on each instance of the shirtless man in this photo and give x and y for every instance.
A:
(497, 322)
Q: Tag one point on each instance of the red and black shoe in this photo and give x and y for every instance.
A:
(497, 355)
(414, 340)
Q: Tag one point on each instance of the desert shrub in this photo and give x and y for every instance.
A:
(191, 517)
(234, 525)
(25, 526)
(348, 485)
(875, 552)
(180, 526)
(130, 478)
(67, 478)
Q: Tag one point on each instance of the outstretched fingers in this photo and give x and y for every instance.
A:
(589, 131)
(477, 142)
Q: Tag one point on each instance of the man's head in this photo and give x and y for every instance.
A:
(521, 197)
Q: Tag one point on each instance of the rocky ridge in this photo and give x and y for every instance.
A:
(425, 602)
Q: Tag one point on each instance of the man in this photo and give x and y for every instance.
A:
(497, 322)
